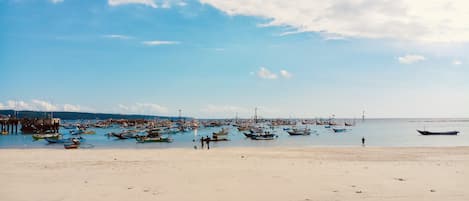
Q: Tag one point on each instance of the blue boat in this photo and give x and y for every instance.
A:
(339, 130)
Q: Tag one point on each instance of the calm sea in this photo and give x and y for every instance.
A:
(377, 132)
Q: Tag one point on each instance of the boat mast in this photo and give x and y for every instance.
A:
(255, 115)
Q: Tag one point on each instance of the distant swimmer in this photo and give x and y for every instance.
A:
(363, 141)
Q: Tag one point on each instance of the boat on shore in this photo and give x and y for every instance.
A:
(424, 132)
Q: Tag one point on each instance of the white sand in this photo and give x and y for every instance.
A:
(284, 174)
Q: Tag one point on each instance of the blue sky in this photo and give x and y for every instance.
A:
(217, 58)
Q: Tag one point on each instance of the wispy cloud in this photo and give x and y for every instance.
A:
(159, 42)
(42, 105)
(142, 108)
(286, 74)
(56, 1)
(410, 59)
(117, 36)
(457, 62)
(265, 73)
(150, 3)
(406, 20)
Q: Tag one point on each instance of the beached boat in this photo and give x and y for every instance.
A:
(438, 133)
(339, 130)
(295, 131)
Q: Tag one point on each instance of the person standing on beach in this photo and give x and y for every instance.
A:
(363, 141)
(208, 142)
(202, 142)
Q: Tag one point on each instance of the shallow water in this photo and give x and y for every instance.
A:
(377, 132)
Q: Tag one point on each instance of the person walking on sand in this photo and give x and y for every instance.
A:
(202, 142)
(363, 141)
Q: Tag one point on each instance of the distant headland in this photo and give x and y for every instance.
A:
(81, 115)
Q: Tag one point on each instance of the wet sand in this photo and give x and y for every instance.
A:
(268, 174)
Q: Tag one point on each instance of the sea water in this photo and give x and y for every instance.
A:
(377, 132)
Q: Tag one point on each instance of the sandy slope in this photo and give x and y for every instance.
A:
(323, 174)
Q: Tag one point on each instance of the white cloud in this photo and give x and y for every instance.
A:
(285, 74)
(410, 59)
(166, 4)
(413, 20)
(150, 3)
(160, 42)
(457, 62)
(56, 1)
(117, 36)
(41, 105)
(71, 108)
(143, 108)
(264, 73)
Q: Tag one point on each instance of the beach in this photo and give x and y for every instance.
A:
(322, 173)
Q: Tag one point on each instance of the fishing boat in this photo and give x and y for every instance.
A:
(339, 130)
(295, 131)
(75, 143)
(144, 139)
(71, 146)
(89, 132)
(348, 124)
(39, 136)
(4, 132)
(223, 131)
(63, 141)
(264, 137)
(424, 132)
(153, 136)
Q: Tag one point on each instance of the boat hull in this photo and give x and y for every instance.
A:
(438, 133)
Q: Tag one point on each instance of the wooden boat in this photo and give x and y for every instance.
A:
(222, 132)
(123, 135)
(63, 141)
(46, 135)
(264, 137)
(339, 130)
(75, 143)
(144, 139)
(89, 132)
(438, 133)
(348, 124)
(71, 146)
(305, 131)
(4, 132)
(248, 134)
